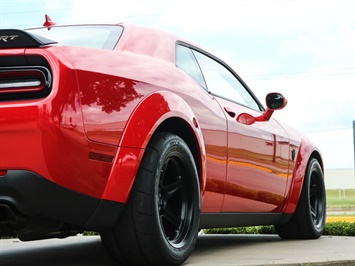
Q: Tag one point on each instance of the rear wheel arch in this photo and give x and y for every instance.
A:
(182, 129)
(170, 113)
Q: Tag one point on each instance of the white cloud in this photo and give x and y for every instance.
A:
(336, 147)
(258, 16)
(322, 47)
(113, 11)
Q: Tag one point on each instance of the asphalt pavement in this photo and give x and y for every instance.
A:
(210, 250)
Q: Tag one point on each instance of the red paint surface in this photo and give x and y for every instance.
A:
(109, 103)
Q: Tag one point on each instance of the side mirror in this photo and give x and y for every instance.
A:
(274, 101)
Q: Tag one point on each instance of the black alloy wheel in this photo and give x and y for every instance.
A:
(161, 220)
(175, 202)
(308, 220)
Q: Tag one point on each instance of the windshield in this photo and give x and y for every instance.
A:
(93, 36)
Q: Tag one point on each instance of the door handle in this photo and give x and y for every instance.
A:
(230, 112)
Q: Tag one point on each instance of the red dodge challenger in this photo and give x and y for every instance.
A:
(145, 138)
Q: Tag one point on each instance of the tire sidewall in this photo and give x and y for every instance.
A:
(154, 244)
(177, 147)
(314, 168)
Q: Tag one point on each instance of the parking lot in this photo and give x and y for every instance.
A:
(210, 250)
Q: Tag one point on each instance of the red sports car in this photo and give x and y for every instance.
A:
(145, 138)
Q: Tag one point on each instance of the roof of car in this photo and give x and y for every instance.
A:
(148, 41)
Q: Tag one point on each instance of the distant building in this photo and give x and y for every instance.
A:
(339, 178)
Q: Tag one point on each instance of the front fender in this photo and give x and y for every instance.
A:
(151, 112)
(306, 151)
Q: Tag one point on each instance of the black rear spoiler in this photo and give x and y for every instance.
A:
(22, 39)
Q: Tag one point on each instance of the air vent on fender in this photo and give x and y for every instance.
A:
(26, 82)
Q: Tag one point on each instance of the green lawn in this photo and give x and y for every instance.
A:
(341, 199)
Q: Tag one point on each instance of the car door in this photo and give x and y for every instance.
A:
(212, 120)
(258, 154)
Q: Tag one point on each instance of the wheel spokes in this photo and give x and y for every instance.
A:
(171, 217)
(313, 190)
(313, 213)
(170, 190)
(314, 200)
(170, 185)
(172, 202)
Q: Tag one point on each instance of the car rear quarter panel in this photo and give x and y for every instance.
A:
(46, 135)
(111, 85)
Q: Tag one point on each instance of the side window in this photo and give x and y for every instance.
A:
(221, 82)
(186, 61)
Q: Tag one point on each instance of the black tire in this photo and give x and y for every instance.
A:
(161, 220)
(308, 220)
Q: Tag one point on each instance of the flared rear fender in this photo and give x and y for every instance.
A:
(150, 113)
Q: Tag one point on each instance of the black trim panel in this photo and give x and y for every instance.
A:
(223, 220)
(13, 38)
(35, 197)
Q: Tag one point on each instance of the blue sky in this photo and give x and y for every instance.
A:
(304, 49)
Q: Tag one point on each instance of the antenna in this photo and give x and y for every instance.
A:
(48, 23)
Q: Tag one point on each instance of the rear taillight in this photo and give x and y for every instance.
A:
(24, 82)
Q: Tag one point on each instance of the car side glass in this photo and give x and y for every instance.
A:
(106, 36)
(186, 61)
(222, 82)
